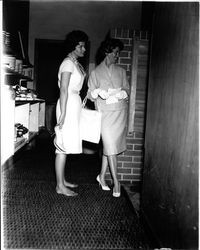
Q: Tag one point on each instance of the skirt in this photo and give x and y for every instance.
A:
(68, 139)
(113, 131)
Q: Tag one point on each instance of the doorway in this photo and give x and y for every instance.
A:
(48, 56)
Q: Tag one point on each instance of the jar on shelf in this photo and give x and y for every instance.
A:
(9, 60)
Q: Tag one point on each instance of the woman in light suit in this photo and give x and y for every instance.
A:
(109, 89)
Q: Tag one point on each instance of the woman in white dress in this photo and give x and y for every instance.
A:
(109, 89)
(67, 132)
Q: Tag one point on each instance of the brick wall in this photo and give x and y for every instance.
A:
(130, 163)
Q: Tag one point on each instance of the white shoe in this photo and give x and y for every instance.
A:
(104, 187)
(117, 194)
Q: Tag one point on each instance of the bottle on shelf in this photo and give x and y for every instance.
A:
(16, 64)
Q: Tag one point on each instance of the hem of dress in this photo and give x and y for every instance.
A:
(68, 153)
(115, 153)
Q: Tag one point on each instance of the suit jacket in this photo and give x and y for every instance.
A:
(104, 78)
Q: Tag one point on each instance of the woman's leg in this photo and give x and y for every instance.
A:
(69, 184)
(104, 166)
(60, 172)
(112, 160)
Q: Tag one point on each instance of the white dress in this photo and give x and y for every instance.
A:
(67, 139)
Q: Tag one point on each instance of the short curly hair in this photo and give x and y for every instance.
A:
(107, 46)
(73, 38)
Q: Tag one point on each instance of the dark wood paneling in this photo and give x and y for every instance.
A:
(170, 178)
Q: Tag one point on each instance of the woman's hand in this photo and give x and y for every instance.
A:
(121, 95)
(61, 121)
(103, 94)
(95, 93)
(99, 92)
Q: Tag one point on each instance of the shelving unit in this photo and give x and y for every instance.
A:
(24, 109)
(28, 112)
(31, 115)
(19, 102)
(12, 76)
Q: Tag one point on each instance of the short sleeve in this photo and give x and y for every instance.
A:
(92, 82)
(67, 66)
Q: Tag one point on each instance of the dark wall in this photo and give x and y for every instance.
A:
(54, 19)
(170, 178)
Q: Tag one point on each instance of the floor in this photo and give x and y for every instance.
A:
(134, 196)
(132, 190)
(44, 156)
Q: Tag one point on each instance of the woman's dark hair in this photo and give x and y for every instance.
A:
(73, 38)
(108, 46)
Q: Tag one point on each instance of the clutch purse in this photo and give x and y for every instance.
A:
(90, 124)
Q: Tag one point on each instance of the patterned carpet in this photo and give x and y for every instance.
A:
(36, 217)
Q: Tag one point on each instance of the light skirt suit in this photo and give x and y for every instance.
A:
(114, 112)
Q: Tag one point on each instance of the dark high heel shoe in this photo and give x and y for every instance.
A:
(118, 193)
(104, 187)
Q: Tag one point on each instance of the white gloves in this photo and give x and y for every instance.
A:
(121, 95)
(109, 94)
(95, 93)
(99, 92)
(103, 94)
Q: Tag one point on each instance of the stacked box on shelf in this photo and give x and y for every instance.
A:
(22, 117)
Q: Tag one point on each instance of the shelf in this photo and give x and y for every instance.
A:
(22, 141)
(16, 76)
(28, 112)
(10, 73)
(23, 100)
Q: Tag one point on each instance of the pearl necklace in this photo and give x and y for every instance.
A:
(75, 61)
